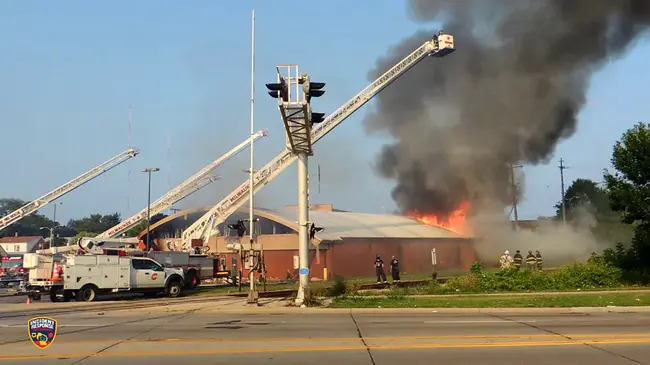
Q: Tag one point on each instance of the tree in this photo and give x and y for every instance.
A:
(584, 194)
(27, 226)
(95, 223)
(583, 197)
(142, 226)
(629, 187)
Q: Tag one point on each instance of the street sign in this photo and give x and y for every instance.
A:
(304, 271)
(434, 259)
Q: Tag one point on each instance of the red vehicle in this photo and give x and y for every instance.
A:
(12, 271)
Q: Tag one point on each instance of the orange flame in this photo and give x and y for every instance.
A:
(456, 221)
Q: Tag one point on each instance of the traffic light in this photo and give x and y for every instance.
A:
(311, 89)
(313, 230)
(279, 90)
(317, 118)
(240, 227)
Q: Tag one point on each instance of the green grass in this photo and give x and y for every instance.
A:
(560, 300)
(433, 289)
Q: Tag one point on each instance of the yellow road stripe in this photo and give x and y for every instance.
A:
(329, 339)
(195, 352)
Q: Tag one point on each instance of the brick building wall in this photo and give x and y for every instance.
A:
(354, 257)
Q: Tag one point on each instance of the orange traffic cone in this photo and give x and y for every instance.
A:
(29, 300)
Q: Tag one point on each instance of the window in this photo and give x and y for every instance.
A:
(137, 264)
(146, 265)
(154, 266)
(11, 264)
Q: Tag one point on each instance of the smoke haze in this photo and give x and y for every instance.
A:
(509, 94)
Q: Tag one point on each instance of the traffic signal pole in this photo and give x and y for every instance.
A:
(303, 223)
(295, 108)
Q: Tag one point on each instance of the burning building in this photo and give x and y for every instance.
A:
(347, 246)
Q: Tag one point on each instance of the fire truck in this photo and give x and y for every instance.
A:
(12, 272)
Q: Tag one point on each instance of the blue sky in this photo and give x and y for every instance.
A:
(69, 71)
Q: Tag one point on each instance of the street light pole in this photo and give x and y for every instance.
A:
(149, 171)
(51, 234)
(252, 293)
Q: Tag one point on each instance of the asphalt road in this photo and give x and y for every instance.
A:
(200, 337)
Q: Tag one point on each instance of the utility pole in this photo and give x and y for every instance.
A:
(252, 293)
(515, 195)
(54, 216)
(149, 171)
(562, 167)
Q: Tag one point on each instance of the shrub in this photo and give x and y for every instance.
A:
(339, 287)
(476, 268)
(311, 299)
(593, 274)
(633, 271)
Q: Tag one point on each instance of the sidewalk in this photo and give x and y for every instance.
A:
(279, 307)
(279, 310)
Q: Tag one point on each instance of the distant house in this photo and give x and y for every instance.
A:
(21, 245)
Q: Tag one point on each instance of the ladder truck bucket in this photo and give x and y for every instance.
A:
(443, 44)
(97, 247)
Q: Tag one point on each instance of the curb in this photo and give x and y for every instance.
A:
(324, 311)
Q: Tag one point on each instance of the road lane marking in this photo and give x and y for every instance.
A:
(195, 352)
(330, 339)
(503, 321)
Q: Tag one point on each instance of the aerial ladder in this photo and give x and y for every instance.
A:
(194, 183)
(35, 205)
(439, 46)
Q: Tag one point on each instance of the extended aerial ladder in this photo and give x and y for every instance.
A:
(35, 205)
(439, 46)
(186, 188)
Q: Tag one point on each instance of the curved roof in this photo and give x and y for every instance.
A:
(340, 225)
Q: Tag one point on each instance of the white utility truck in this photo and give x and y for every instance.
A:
(84, 277)
(196, 267)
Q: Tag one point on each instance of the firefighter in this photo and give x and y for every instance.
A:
(538, 260)
(505, 260)
(530, 260)
(518, 259)
(394, 269)
(379, 270)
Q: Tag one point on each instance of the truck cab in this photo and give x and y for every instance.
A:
(148, 274)
(12, 271)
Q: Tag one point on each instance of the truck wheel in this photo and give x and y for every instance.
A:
(86, 294)
(67, 295)
(191, 280)
(53, 297)
(174, 289)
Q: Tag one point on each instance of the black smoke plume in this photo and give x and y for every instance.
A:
(509, 93)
